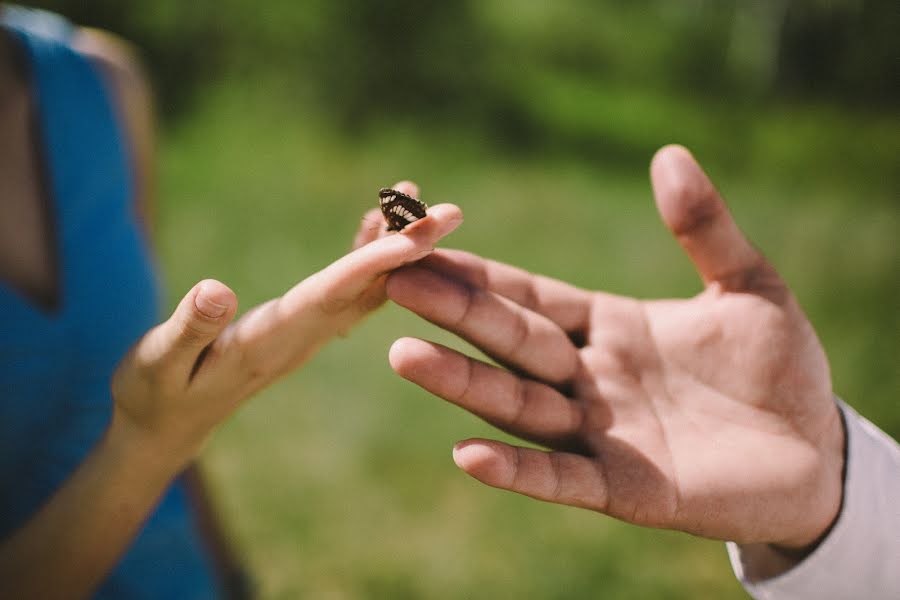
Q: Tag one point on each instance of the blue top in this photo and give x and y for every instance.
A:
(55, 367)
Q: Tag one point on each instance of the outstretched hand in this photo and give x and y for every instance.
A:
(712, 415)
(189, 373)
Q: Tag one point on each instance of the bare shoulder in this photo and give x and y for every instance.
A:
(124, 74)
(110, 52)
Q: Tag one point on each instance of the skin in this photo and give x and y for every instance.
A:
(712, 415)
(26, 258)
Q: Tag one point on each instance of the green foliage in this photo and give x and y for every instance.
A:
(401, 57)
(463, 59)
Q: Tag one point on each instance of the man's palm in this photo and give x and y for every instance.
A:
(682, 394)
(711, 415)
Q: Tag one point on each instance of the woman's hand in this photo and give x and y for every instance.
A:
(712, 414)
(175, 385)
(189, 373)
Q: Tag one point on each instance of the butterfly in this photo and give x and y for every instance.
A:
(399, 209)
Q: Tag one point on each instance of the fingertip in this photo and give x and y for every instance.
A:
(484, 460)
(685, 197)
(405, 356)
(441, 220)
(670, 152)
(446, 211)
(674, 167)
(213, 299)
(407, 187)
(200, 316)
(398, 353)
(450, 214)
(692, 209)
(467, 453)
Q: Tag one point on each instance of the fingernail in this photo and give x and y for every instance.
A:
(209, 308)
(459, 452)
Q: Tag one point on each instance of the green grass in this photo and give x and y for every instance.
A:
(337, 482)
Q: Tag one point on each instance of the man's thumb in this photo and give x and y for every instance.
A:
(692, 209)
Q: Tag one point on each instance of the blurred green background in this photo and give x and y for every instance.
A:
(280, 121)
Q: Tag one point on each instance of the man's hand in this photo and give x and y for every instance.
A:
(189, 373)
(712, 415)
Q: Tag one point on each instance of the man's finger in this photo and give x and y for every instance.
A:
(511, 334)
(557, 477)
(562, 303)
(692, 209)
(522, 407)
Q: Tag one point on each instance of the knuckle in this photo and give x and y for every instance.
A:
(145, 358)
(519, 403)
(521, 330)
(331, 305)
(601, 502)
(139, 370)
(138, 358)
(530, 296)
(515, 470)
(698, 204)
(251, 363)
(471, 297)
(468, 380)
(556, 470)
(759, 277)
(194, 330)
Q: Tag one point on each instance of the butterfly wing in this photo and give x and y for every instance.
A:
(399, 209)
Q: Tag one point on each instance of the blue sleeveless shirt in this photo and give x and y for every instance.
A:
(55, 366)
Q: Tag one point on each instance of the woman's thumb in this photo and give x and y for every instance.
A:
(200, 316)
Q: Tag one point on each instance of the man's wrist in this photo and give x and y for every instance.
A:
(855, 559)
(767, 560)
(830, 492)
